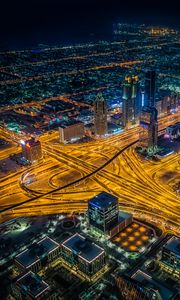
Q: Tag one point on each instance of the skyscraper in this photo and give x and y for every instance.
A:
(150, 87)
(100, 115)
(103, 211)
(148, 128)
(130, 106)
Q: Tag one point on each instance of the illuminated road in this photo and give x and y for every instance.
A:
(71, 174)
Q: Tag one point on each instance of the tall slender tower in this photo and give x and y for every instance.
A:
(100, 115)
(150, 87)
(130, 106)
(148, 128)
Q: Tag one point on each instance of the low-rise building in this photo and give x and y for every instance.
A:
(170, 260)
(156, 288)
(83, 254)
(173, 131)
(29, 287)
(70, 131)
(124, 219)
(117, 119)
(37, 255)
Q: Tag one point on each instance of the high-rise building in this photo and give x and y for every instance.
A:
(31, 150)
(100, 115)
(148, 128)
(103, 211)
(104, 215)
(150, 88)
(130, 105)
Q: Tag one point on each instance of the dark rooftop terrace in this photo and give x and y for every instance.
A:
(84, 248)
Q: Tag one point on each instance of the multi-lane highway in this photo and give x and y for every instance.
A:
(71, 174)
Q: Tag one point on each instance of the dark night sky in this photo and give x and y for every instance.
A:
(26, 23)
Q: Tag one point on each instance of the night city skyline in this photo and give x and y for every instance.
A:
(89, 150)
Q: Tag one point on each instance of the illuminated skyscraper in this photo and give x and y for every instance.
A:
(31, 150)
(150, 87)
(130, 106)
(148, 128)
(103, 211)
(100, 115)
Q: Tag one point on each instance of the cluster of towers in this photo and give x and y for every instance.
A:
(137, 108)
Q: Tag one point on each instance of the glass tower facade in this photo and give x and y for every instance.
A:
(150, 87)
(103, 211)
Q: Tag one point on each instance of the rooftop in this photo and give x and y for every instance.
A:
(103, 200)
(32, 284)
(32, 142)
(173, 244)
(83, 247)
(149, 282)
(124, 216)
(36, 252)
(116, 116)
(70, 123)
(99, 97)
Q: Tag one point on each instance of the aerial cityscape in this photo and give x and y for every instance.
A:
(90, 167)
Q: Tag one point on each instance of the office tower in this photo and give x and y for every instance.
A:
(148, 128)
(70, 131)
(31, 150)
(103, 211)
(150, 86)
(130, 105)
(104, 215)
(100, 115)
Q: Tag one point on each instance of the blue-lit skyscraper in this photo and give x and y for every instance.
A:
(150, 88)
(103, 211)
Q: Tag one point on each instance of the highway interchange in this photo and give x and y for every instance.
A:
(71, 174)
